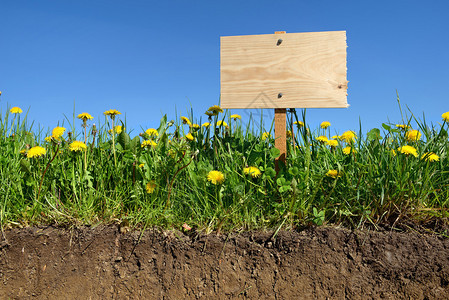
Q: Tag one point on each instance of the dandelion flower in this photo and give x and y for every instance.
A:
(148, 144)
(299, 123)
(112, 113)
(206, 124)
(348, 136)
(412, 135)
(408, 150)
(36, 151)
(152, 132)
(15, 110)
(216, 177)
(117, 129)
(445, 116)
(57, 133)
(77, 146)
(348, 149)
(85, 116)
(186, 121)
(325, 124)
(189, 136)
(333, 173)
(253, 171)
(141, 165)
(150, 186)
(213, 111)
(221, 123)
(265, 135)
(430, 156)
(321, 139)
(196, 126)
(48, 139)
(289, 133)
(235, 117)
(332, 143)
(403, 126)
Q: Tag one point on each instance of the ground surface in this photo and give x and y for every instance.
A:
(316, 263)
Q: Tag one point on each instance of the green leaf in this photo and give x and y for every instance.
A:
(374, 134)
(294, 171)
(270, 172)
(386, 127)
(124, 140)
(275, 152)
(135, 144)
(25, 166)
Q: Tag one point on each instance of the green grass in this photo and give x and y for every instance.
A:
(107, 182)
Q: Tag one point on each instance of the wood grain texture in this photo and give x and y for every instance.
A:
(280, 134)
(309, 69)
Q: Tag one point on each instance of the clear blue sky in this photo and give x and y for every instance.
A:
(149, 58)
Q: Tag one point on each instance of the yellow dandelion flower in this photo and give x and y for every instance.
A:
(152, 132)
(253, 171)
(215, 177)
(57, 132)
(221, 123)
(141, 165)
(335, 137)
(430, 156)
(16, 110)
(412, 135)
(196, 126)
(148, 144)
(348, 136)
(213, 111)
(206, 124)
(112, 113)
(235, 117)
(325, 124)
(333, 173)
(348, 149)
(332, 143)
(321, 139)
(265, 135)
(408, 150)
(289, 133)
(85, 116)
(403, 126)
(36, 151)
(117, 129)
(186, 121)
(77, 146)
(445, 116)
(299, 123)
(150, 187)
(48, 139)
(190, 137)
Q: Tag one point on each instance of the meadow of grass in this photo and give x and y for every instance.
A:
(220, 175)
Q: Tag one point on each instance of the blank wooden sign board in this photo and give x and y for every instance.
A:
(284, 70)
(290, 70)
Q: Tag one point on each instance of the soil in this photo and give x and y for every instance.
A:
(316, 263)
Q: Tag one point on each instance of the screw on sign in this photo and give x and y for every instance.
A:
(299, 70)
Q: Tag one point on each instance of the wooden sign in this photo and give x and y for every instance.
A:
(290, 70)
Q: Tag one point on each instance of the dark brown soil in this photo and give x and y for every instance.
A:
(316, 263)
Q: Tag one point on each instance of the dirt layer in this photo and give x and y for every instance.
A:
(316, 263)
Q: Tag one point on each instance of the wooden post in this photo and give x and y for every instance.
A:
(280, 130)
(280, 134)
